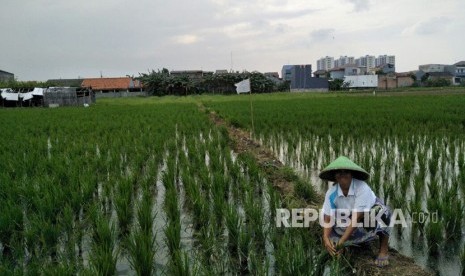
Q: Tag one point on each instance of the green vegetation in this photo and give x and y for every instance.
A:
(151, 184)
(413, 145)
(161, 83)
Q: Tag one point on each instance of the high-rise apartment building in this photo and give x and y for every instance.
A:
(343, 60)
(325, 63)
(366, 61)
(385, 59)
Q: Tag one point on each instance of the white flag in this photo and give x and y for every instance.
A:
(243, 86)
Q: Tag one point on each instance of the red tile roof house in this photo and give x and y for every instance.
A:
(124, 84)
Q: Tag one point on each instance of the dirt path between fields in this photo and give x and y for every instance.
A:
(363, 258)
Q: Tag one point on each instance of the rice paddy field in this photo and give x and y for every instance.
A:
(150, 186)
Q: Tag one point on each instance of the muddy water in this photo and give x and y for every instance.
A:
(447, 262)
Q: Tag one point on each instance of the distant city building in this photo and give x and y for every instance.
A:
(385, 68)
(459, 72)
(300, 75)
(433, 72)
(221, 72)
(6, 76)
(320, 74)
(300, 78)
(343, 60)
(325, 63)
(286, 72)
(366, 61)
(385, 59)
(439, 68)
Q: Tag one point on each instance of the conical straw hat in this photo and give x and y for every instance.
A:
(343, 163)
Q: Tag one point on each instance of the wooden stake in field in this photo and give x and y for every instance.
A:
(244, 87)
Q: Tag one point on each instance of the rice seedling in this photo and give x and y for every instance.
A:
(173, 237)
(123, 205)
(145, 216)
(305, 190)
(245, 245)
(11, 225)
(418, 224)
(274, 200)
(207, 241)
(58, 269)
(434, 236)
(255, 220)
(142, 252)
(181, 265)
(258, 265)
(451, 206)
(291, 258)
(233, 224)
(103, 256)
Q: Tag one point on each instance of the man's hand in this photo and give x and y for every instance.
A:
(330, 246)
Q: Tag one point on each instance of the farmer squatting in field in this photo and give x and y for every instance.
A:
(346, 203)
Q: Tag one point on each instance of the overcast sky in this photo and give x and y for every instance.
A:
(44, 39)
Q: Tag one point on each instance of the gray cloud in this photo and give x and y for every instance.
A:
(432, 26)
(360, 5)
(44, 39)
(322, 34)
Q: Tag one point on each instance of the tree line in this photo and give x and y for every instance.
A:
(162, 82)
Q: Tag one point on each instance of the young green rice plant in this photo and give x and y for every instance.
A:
(207, 243)
(123, 205)
(255, 220)
(145, 217)
(415, 208)
(258, 265)
(63, 268)
(11, 226)
(180, 265)
(171, 204)
(245, 245)
(451, 205)
(103, 255)
(375, 180)
(273, 199)
(68, 225)
(173, 236)
(192, 190)
(205, 180)
(290, 256)
(200, 212)
(433, 164)
(173, 215)
(142, 252)
(389, 190)
(305, 190)
(219, 195)
(434, 236)
(216, 164)
(419, 187)
(233, 224)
